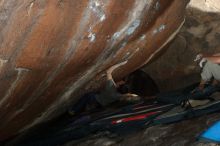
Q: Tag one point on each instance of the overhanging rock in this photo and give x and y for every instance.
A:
(52, 51)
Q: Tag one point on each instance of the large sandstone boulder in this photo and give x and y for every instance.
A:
(52, 51)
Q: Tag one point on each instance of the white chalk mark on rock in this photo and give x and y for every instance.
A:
(133, 21)
(142, 37)
(92, 37)
(96, 7)
(160, 29)
(133, 27)
(103, 18)
(116, 35)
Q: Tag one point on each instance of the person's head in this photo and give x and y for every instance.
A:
(200, 60)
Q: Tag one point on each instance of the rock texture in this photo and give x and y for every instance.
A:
(51, 51)
(200, 34)
(174, 69)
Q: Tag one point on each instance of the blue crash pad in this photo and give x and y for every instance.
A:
(212, 134)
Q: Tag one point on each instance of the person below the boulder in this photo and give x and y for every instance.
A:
(210, 77)
(104, 98)
(197, 94)
(210, 73)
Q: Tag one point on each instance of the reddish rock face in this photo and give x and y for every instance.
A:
(52, 51)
